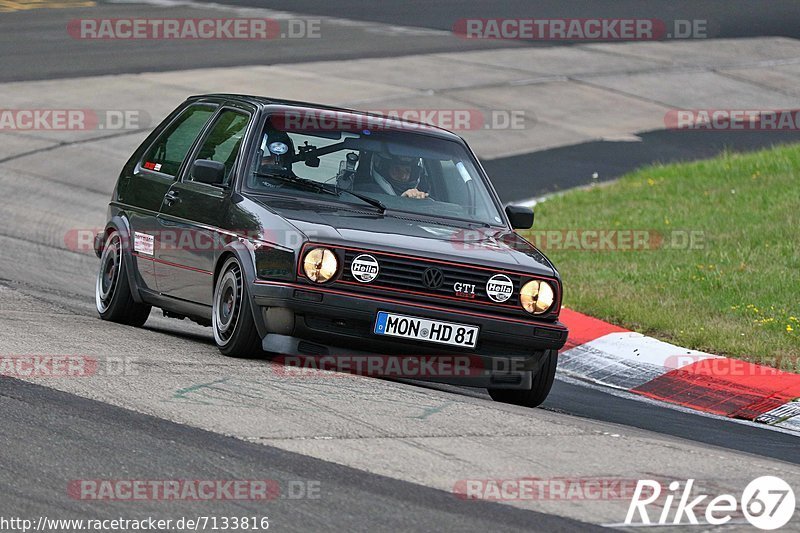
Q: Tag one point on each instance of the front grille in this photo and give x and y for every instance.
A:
(406, 274)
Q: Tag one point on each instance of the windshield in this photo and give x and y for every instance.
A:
(402, 170)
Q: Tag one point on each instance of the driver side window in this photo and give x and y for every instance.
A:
(224, 139)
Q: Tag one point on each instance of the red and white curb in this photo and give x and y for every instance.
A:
(611, 356)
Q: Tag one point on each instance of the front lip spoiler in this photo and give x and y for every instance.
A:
(292, 355)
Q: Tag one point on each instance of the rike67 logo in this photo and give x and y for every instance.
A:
(768, 503)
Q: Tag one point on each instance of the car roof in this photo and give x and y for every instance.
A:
(283, 105)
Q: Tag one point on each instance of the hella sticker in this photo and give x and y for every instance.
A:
(499, 288)
(364, 268)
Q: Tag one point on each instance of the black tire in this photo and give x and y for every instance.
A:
(113, 298)
(540, 388)
(231, 315)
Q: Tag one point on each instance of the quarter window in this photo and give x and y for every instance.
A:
(170, 149)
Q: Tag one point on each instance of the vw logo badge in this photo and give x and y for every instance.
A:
(432, 278)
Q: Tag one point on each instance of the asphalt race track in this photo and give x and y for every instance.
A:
(68, 427)
(348, 453)
(738, 18)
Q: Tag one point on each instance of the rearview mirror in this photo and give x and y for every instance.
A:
(521, 217)
(209, 172)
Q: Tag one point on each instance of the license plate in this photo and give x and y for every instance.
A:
(425, 329)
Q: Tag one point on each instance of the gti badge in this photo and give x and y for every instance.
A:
(499, 288)
(364, 268)
(464, 290)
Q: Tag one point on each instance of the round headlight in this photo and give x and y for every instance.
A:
(320, 265)
(537, 296)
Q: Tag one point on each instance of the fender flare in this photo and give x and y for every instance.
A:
(120, 224)
(246, 258)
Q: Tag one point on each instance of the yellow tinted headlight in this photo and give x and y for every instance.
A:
(537, 297)
(320, 265)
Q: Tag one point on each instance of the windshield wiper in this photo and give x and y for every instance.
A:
(365, 198)
(288, 177)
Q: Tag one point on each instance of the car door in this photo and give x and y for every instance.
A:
(142, 193)
(192, 211)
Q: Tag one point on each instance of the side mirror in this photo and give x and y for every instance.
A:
(209, 172)
(520, 217)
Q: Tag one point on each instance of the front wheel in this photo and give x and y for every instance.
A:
(540, 387)
(231, 315)
(113, 297)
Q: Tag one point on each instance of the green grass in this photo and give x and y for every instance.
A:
(736, 293)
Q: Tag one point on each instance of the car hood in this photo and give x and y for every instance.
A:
(410, 234)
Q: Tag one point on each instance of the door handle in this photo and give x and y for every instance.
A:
(171, 197)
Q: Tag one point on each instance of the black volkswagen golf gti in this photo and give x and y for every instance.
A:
(327, 234)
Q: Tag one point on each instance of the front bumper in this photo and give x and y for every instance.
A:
(323, 322)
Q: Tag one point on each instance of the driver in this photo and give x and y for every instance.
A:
(398, 176)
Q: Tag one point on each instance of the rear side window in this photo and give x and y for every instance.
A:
(224, 139)
(171, 147)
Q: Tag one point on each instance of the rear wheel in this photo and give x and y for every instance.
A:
(113, 297)
(540, 388)
(232, 317)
